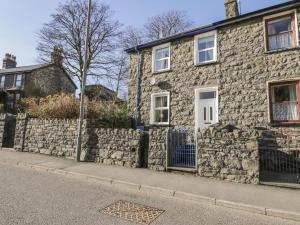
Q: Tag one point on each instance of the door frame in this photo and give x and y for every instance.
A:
(197, 103)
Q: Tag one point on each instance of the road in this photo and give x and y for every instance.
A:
(37, 198)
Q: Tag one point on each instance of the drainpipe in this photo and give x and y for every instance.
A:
(138, 76)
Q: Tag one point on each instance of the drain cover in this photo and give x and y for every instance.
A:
(133, 212)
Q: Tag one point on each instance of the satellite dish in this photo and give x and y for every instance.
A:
(152, 81)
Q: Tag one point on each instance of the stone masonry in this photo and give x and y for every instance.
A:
(229, 154)
(240, 73)
(58, 137)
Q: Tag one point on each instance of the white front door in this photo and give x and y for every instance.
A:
(207, 112)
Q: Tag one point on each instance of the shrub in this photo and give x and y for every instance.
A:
(109, 114)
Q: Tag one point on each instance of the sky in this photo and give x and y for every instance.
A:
(20, 20)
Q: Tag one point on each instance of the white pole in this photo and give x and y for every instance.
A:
(83, 81)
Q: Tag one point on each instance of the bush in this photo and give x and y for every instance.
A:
(109, 114)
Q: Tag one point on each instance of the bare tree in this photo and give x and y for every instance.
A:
(131, 37)
(166, 24)
(67, 30)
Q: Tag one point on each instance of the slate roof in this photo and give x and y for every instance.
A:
(189, 33)
(23, 69)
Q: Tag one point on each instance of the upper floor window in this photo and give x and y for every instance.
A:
(18, 80)
(161, 58)
(206, 48)
(160, 108)
(2, 81)
(285, 101)
(281, 32)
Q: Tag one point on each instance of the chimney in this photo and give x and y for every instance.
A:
(57, 56)
(232, 8)
(9, 61)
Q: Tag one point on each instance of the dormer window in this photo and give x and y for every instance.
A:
(18, 80)
(281, 32)
(161, 58)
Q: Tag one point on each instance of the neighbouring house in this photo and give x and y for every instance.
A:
(99, 92)
(236, 82)
(33, 81)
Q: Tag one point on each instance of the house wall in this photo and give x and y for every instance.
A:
(47, 81)
(241, 74)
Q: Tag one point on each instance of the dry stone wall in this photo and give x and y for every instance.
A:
(119, 147)
(157, 152)
(58, 137)
(229, 153)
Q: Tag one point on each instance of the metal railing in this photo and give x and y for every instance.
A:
(280, 166)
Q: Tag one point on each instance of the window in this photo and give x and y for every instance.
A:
(281, 32)
(206, 48)
(285, 102)
(160, 108)
(18, 80)
(2, 81)
(161, 58)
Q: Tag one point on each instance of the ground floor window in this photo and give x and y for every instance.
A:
(285, 101)
(160, 108)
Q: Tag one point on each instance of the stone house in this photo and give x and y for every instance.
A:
(35, 80)
(242, 72)
(99, 92)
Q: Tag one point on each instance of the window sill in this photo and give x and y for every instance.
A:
(159, 125)
(285, 124)
(282, 50)
(161, 71)
(206, 63)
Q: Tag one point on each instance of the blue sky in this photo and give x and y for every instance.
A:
(21, 19)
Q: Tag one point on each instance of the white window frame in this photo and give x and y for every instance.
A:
(2, 84)
(215, 48)
(154, 49)
(286, 13)
(152, 110)
(15, 83)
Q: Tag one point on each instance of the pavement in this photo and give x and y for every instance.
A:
(265, 200)
(31, 197)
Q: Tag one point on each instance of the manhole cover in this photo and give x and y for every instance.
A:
(133, 212)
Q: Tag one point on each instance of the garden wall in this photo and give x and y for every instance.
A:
(58, 137)
(229, 153)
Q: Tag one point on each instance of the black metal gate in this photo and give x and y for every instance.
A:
(181, 148)
(280, 167)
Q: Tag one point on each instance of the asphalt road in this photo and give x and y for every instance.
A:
(38, 198)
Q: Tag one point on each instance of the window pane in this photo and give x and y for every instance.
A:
(161, 101)
(162, 64)
(162, 53)
(206, 56)
(279, 26)
(161, 116)
(284, 102)
(208, 95)
(207, 42)
(280, 41)
(284, 93)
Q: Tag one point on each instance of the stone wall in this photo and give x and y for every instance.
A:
(241, 74)
(51, 137)
(157, 149)
(2, 125)
(119, 147)
(58, 137)
(229, 153)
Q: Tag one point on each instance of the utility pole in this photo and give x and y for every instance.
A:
(83, 82)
